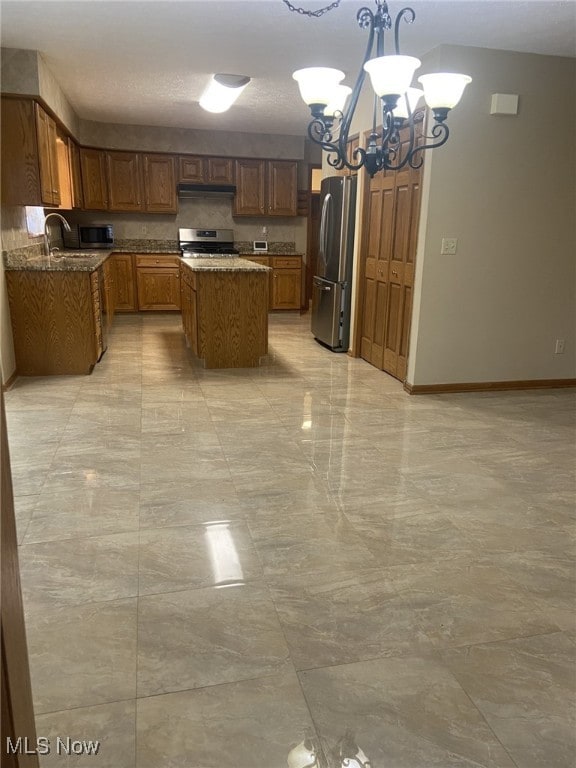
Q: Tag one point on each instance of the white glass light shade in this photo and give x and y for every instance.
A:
(338, 100)
(413, 95)
(391, 74)
(317, 84)
(443, 89)
(302, 756)
(222, 91)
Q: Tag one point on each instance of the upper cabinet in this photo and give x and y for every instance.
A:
(195, 169)
(159, 184)
(124, 181)
(128, 181)
(282, 187)
(29, 154)
(75, 174)
(47, 157)
(250, 197)
(266, 188)
(94, 185)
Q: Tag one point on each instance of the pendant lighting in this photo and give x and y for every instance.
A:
(391, 76)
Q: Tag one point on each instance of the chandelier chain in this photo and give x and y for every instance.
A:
(313, 14)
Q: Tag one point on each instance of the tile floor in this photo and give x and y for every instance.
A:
(216, 563)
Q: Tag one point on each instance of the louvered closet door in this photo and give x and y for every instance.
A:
(377, 257)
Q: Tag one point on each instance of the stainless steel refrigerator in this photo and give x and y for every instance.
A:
(331, 286)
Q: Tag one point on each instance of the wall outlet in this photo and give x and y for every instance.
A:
(144, 229)
(449, 246)
(559, 348)
(264, 231)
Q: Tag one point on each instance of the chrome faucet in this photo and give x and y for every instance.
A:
(47, 248)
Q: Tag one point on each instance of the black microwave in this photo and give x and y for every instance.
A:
(89, 237)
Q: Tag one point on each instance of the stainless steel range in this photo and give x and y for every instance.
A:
(206, 243)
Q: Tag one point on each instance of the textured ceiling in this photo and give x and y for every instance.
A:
(147, 61)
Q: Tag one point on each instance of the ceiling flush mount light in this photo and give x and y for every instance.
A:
(391, 78)
(222, 91)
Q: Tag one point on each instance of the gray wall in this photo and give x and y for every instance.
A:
(505, 186)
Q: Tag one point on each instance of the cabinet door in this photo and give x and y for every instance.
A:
(64, 179)
(75, 176)
(286, 288)
(159, 184)
(249, 199)
(191, 169)
(219, 170)
(47, 157)
(20, 177)
(158, 288)
(124, 281)
(124, 181)
(94, 187)
(282, 188)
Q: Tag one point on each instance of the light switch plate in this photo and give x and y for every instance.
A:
(449, 245)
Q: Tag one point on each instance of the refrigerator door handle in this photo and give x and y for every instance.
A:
(323, 232)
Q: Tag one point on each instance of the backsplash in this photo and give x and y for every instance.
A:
(273, 246)
(213, 213)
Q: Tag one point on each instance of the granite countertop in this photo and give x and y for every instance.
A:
(168, 250)
(235, 264)
(61, 261)
(268, 253)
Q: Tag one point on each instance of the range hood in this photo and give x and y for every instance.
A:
(206, 190)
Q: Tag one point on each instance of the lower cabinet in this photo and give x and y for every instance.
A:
(146, 282)
(286, 292)
(60, 320)
(285, 280)
(124, 282)
(225, 316)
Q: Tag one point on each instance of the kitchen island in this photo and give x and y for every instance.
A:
(61, 308)
(225, 310)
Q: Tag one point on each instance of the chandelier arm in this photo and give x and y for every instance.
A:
(408, 15)
(440, 133)
(365, 18)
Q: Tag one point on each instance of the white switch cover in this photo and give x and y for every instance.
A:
(449, 245)
(559, 348)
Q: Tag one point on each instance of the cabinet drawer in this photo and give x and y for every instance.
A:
(157, 260)
(286, 262)
(262, 260)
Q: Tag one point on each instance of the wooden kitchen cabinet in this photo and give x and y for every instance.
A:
(124, 181)
(219, 170)
(266, 188)
(75, 174)
(47, 157)
(29, 154)
(285, 279)
(159, 184)
(59, 320)
(250, 197)
(94, 184)
(286, 290)
(225, 316)
(125, 282)
(282, 188)
(157, 282)
(205, 170)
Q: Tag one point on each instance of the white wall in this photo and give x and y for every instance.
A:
(505, 187)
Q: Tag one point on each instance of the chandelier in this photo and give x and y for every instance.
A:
(391, 76)
(346, 754)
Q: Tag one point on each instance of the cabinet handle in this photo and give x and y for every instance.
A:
(395, 273)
